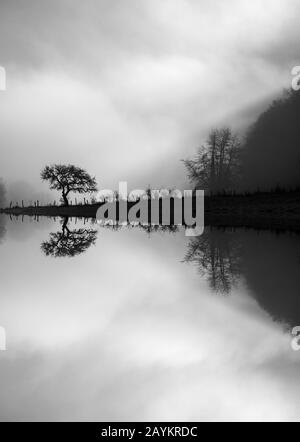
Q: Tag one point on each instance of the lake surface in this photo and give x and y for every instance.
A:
(126, 325)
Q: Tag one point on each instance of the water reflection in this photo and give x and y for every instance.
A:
(84, 343)
(68, 242)
(268, 263)
(217, 255)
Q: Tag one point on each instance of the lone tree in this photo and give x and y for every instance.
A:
(69, 179)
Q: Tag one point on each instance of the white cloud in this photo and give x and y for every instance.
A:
(125, 90)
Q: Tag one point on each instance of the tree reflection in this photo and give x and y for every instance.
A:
(149, 228)
(217, 254)
(69, 243)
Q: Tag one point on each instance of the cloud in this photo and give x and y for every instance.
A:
(126, 89)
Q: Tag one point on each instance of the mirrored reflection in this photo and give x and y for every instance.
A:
(158, 312)
(69, 242)
(268, 262)
(217, 255)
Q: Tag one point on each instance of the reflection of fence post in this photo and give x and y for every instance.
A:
(2, 339)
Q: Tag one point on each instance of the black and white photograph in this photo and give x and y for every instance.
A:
(149, 214)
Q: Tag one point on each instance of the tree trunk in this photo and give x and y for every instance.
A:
(66, 201)
(65, 229)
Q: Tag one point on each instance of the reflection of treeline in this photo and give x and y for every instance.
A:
(71, 242)
(267, 262)
(148, 228)
(217, 256)
(267, 158)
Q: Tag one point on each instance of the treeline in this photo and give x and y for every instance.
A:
(266, 159)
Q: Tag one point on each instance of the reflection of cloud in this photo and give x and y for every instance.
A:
(173, 354)
(126, 332)
(25, 228)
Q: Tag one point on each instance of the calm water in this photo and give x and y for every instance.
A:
(139, 326)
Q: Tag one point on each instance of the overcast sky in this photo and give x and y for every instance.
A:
(128, 88)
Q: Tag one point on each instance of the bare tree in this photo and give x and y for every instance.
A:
(68, 179)
(216, 166)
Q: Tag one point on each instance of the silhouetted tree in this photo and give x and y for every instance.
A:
(217, 255)
(216, 166)
(69, 179)
(69, 243)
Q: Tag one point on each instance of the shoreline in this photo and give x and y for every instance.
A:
(262, 211)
